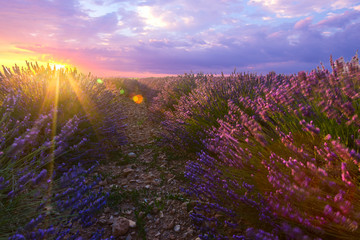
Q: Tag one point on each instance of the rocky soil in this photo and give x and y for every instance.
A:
(144, 181)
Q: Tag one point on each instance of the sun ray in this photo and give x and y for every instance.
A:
(87, 104)
(55, 83)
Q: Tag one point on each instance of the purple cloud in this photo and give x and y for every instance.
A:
(177, 36)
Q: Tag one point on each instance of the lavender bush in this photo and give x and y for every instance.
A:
(68, 93)
(187, 122)
(170, 92)
(51, 120)
(278, 157)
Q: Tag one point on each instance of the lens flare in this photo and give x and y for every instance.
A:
(122, 91)
(99, 81)
(138, 99)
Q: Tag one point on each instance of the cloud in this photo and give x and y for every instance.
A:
(53, 23)
(292, 9)
(176, 36)
(340, 20)
(303, 24)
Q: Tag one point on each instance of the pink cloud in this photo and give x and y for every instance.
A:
(302, 24)
(340, 20)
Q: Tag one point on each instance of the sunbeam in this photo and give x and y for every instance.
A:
(53, 87)
(87, 104)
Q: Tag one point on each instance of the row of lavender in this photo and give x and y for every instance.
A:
(54, 127)
(278, 155)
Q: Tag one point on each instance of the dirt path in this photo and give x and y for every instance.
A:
(144, 182)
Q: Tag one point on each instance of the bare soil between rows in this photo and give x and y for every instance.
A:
(144, 182)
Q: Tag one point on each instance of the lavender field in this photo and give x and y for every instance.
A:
(277, 156)
(268, 157)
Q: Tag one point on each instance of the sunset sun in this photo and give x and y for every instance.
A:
(58, 65)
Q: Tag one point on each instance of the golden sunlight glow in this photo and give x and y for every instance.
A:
(58, 66)
(12, 54)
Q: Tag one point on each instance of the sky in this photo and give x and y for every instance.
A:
(142, 38)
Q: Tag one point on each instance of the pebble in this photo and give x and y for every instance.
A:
(127, 171)
(132, 224)
(128, 211)
(155, 210)
(103, 183)
(190, 232)
(120, 227)
(103, 221)
(132, 155)
(177, 228)
(169, 225)
(141, 214)
(156, 182)
(184, 206)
